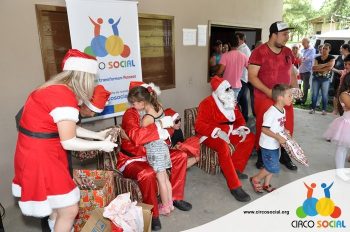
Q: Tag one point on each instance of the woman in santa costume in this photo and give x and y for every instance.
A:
(132, 160)
(47, 128)
(221, 125)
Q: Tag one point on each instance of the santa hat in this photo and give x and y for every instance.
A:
(219, 83)
(76, 60)
(99, 99)
(172, 113)
(151, 86)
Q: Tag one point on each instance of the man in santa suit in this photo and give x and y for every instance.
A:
(221, 125)
(132, 160)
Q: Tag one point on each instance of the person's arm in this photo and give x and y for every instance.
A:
(221, 70)
(147, 120)
(309, 56)
(294, 78)
(345, 98)
(268, 132)
(212, 61)
(253, 71)
(69, 141)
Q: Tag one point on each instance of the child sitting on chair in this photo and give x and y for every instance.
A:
(190, 145)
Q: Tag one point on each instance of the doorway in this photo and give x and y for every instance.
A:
(225, 34)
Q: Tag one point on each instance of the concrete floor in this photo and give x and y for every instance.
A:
(209, 194)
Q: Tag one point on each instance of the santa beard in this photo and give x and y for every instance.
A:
(227, 98)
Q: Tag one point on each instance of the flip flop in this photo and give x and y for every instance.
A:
(268, 188)
(257, 187)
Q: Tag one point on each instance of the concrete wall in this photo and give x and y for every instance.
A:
(22, 70)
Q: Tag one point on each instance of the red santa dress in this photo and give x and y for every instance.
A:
(133, 163)
(42, 180)
(210, 119)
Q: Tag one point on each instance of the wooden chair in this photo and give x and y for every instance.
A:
(208, 161)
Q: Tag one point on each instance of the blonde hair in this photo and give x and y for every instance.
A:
(82, 83)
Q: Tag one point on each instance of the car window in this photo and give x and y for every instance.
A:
(335, 46)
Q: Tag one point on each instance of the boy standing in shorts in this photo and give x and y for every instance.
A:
(270, 139)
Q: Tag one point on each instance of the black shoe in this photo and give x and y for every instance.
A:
(156, 224)
(290, 165)
(240, 194)
(182, 205)
(259, 165)
(241, 175)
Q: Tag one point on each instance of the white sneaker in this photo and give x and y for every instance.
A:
(311, 111)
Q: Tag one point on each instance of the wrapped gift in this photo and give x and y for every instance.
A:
(97, 189)
(293, 149)
(297, 93)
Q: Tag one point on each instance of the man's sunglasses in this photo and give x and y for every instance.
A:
(177, 121)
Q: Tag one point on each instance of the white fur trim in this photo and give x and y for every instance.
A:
(163, 133)
(175, 116)
(154, 87)
(81, 64)
(201, 140)
(122, 168)
(16, 190)
(229, 114)
(93, 108)
(214, 133)
(65, 113)
(44, 208)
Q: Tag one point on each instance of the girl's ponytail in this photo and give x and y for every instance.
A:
(344, 87)
(154, 101)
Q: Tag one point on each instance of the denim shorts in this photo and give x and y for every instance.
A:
(271, 159)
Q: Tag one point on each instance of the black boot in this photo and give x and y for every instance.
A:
(259, 163)
(156, 224)
(241, 175)
(182, 205)
(45, 224)
(285, 159)
(240, 194)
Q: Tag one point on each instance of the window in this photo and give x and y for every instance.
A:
(156, 41)
(335, 46)
(54, 37)
(157, 49)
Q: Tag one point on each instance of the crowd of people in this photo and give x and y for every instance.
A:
(152, 140)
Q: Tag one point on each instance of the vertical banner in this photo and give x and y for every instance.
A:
(108, 30)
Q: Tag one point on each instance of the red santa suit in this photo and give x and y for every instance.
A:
(132, 160)
(212, 118)
(42, 179)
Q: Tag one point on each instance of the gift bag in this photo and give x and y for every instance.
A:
(293, 149)
(97, 189)
(125, 214)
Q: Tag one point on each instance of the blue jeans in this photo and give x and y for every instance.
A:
(271, 159)
(317, 84)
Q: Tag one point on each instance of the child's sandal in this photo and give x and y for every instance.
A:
(256, 186)
(268, 188)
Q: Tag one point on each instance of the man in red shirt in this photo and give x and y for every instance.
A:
(270, 64)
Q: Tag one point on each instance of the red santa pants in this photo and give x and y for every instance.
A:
(261, 105)
(144, 174)
(238, 160)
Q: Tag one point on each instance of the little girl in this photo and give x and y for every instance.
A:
(158, 155)
(339, 130)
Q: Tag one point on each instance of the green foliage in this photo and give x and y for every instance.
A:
(338, 11)
(297, 13)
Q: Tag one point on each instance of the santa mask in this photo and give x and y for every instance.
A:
(226, 95)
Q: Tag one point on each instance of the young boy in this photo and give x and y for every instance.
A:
(270, 139)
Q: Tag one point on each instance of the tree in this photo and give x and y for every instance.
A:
(297, 14)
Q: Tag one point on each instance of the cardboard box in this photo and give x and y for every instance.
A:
(98, 223)
(95, 198)
(147, 216)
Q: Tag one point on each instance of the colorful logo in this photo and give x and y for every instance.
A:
(101, 46)
(323, 206)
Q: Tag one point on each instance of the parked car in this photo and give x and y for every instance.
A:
(334, 38)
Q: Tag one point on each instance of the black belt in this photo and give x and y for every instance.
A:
(227, 123)
(38, 135)
(127, 153)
